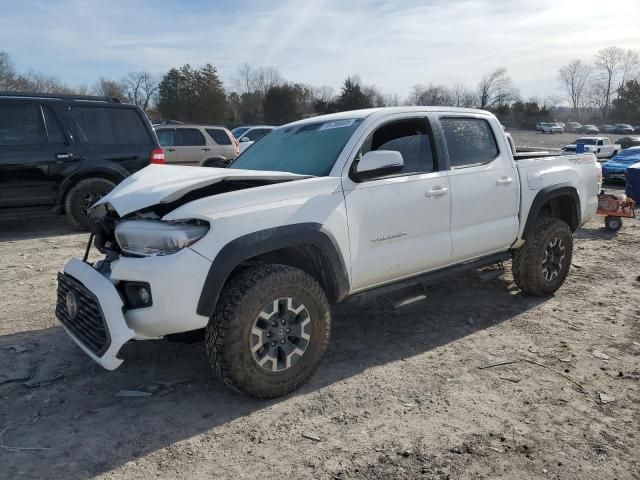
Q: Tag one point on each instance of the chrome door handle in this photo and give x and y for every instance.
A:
(504, 181)
(64, 156)
(205, 149)
(436, 192)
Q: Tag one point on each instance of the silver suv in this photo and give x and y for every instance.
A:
(207, 146)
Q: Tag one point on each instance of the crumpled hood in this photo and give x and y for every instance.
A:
(157, 184)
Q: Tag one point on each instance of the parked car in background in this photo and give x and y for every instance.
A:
(61, 153)
(623, 128)
(253, 134)
(601, 147)
(562, 124)
(551, 128)
(236, 132)
(206, 146)
(572, 127)
(615, 169)
(636, 129)
(592, 129)
(362, 204)
(607, 128)
(626, 142)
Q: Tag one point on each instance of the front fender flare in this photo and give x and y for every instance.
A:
(269, 240)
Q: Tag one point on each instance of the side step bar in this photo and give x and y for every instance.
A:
(426, 278)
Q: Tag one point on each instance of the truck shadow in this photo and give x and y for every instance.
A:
(55, 398)
(36, 226)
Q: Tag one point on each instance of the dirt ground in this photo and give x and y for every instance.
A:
(401, 394)
(531, 138)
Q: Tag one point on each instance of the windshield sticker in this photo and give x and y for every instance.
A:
(337, 124)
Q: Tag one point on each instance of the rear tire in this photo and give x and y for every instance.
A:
(81, 196)
(612, 224)
(541, 265)
(269, 331)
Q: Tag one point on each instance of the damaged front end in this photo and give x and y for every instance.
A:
(149, 282)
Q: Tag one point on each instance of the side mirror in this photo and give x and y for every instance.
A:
(378, 163)
(245, 139)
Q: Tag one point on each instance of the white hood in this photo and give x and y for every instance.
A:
(158, 184)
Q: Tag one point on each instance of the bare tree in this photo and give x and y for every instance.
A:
(573, 80)
(252, 84)
(496, 89)
(430, 95)
(597, 92)
(630, 66)
(139, 88)
(7, 72)
(610, 62)
(108, 88)
(461, 96)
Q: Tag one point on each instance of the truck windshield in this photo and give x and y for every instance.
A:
(307, 149)
(586, 141)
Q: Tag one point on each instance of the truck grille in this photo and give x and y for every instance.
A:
(85, 320)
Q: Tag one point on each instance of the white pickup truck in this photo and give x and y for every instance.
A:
(601, 147)
(345, 206)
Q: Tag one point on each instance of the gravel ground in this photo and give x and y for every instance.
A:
(400, 394)
(531, 138)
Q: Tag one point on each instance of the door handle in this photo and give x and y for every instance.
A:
(206, 149)
(504, 181)
(436, 192)
(64, 156)
(169, 149)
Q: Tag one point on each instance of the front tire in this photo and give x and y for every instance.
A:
(269, 331)
(82, 196)
(541, 265)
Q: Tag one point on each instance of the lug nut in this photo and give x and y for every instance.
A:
(268, 334)
(282, 341)
(273, 324)
(273, 344)
(288, 330)
(284, 321)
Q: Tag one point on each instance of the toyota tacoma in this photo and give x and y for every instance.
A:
(347, 206)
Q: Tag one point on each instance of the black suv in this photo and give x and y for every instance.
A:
(63, 153)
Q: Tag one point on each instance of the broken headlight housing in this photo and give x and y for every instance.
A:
(155, 237)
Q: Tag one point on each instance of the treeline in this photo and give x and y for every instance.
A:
(606, 89)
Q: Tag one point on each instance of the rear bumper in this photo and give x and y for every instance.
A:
(110, 308)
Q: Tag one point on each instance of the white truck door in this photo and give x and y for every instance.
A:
(485, 192)
(398, 224)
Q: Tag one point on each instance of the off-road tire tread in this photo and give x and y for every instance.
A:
(526, 271)
(222, 320)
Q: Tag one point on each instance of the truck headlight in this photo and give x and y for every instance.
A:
(154, 237)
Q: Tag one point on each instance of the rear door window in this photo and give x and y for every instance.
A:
(219, 136)
(470, 141)
(55, 133)
(112, 126)
(190, 137)
(166, 137)
(21, 125)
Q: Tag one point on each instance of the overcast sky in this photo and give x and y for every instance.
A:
(392, 44)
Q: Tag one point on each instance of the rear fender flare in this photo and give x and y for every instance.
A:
(549, 193)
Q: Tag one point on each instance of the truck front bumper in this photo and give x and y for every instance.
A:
(91, 311)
